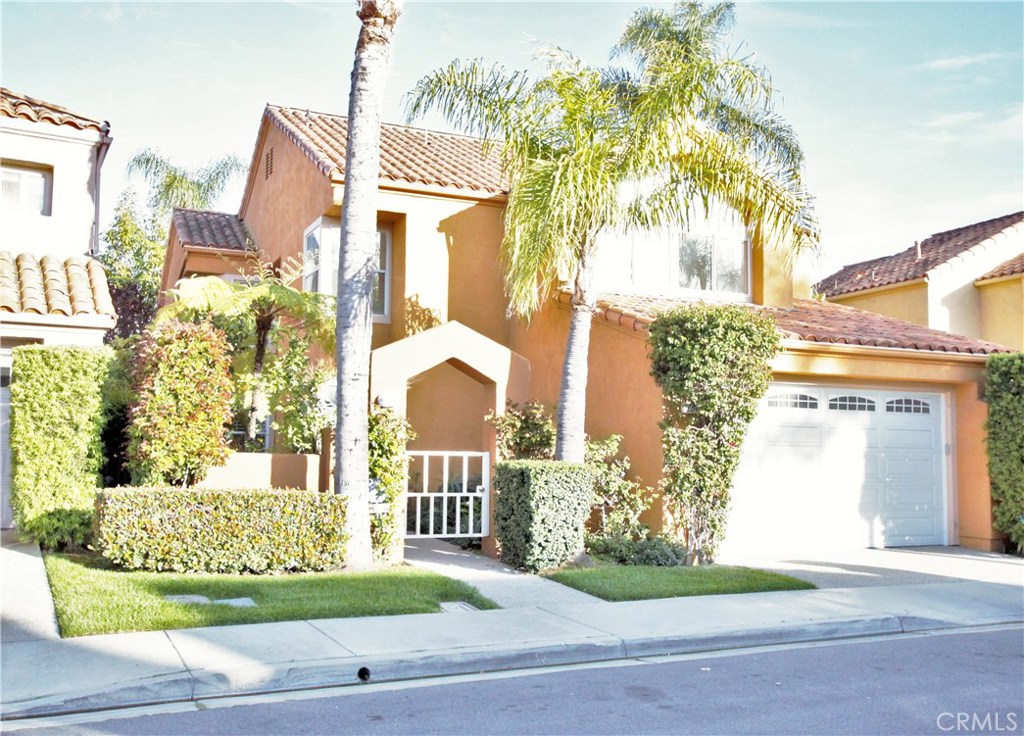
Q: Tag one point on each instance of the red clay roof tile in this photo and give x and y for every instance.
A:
(411, 155)
(14, 105)
(810, 321)
(212, 230)
(49, 286)
(907, 266)
(1012, 267)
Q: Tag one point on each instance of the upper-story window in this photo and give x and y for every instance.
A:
(27, 188)
(710, 257)
(321, 243)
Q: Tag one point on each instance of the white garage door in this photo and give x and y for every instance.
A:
(6, 517)
(828, 467)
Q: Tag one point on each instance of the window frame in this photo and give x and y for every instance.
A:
(21, 169)
(314, 278)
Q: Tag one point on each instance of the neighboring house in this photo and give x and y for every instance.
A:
(969, 281)
(871, 435)
(51, 291)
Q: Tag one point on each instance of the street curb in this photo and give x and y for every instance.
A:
(195, 685)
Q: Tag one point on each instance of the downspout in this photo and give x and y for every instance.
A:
(101, 155)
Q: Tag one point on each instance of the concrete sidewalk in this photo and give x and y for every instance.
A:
(44, 676)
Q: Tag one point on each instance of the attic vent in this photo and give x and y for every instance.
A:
(268, 164)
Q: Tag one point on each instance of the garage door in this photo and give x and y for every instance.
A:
(840, 468)
(6, 517)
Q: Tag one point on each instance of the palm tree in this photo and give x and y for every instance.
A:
(356, 269)
(174, 186)
(590, 150)
(265, 297)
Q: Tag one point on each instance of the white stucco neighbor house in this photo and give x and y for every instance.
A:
(52, 290)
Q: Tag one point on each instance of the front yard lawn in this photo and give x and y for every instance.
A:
(93, 598)
(637, 583)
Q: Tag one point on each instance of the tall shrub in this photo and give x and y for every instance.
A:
(1004, 392)
(57, 421)
(712, 364)
(182, 402)
(389, 434)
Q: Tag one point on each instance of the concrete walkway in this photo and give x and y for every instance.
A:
(26, 606)
(42, 675)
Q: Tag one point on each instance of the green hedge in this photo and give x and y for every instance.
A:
(540, 509)
(57, 421)
(1004, 392)
(228, 531)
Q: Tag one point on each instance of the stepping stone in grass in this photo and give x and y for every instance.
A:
(237, 602)
(199, 600)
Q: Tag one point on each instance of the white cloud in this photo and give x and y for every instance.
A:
(953, 119)
(960, 62)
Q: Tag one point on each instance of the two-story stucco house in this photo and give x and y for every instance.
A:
(872, 434)
(969, 280)
(51, 290)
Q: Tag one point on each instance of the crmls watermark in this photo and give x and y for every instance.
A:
(978, 722)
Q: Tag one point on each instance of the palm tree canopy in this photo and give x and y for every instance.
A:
(588, 149)
(175, 186)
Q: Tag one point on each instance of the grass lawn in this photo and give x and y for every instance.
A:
(637, 583)
(93, 598)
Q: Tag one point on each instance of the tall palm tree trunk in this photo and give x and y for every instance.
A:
(572, 399)
(356, 269)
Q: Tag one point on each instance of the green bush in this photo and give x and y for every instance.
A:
(540, 508)
(389, 435)
(182, 403)
(712, 364)
(654, 551)
(526, 433)
(1004, 392)
(222, 531)
(57, 420)
(618, 501)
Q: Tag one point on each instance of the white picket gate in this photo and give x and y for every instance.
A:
(447, 494)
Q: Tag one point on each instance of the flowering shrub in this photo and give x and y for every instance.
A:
(182, 404)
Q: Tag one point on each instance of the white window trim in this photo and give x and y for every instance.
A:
(384, 230)
(385, 236)
(711, 295)
(23, 169)
(308, 274)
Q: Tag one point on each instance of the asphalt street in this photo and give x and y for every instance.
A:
(955, 682)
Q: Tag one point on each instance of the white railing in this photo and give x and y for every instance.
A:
(447, 494)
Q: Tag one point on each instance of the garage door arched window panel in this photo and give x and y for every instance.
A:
(907, 406)
(851, 403)
(792, 401)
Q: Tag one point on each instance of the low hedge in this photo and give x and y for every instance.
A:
(223, 531)
(540, 510)
(1004, 392)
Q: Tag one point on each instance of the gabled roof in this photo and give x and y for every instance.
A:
(809, 320)
(407, 155)
(1012, 267)
(202, 228)
(50, 286)
(23, 107)
(907, 265)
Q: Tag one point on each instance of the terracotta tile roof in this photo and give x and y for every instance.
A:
(50, 286)
(811, 321)
(410, 155)
(1012, 267)
(14, 105)
(212, 230)
(907, 266)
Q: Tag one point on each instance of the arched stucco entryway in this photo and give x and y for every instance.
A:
(504, 374)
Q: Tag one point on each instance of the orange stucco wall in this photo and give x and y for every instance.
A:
(265, 470)
(1002, 312)
(909, 303)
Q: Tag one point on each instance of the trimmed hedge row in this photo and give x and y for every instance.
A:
(1004, 392)
(222, 531)
(58, 415)
(539, 511)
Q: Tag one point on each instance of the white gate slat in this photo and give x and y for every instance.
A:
(464, 523)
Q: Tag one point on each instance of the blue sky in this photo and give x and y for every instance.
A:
(910, 113)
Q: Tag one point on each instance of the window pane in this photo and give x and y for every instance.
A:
(379, 307)
(695, 255)
(730, 265)
(382, 252)
(311, 281)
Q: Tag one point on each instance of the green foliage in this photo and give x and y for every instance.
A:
(133, 256)
(183, 402)
(540, 508)
(293, 384)
(389, 434)
(712, 363)
(619, 501)
(119, 395)
(175, 186)
(653, 552)
(524, 433)
(1004, 392)
(197, 530)
(57, 421)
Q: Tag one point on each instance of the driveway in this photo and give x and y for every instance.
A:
(897, 566)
